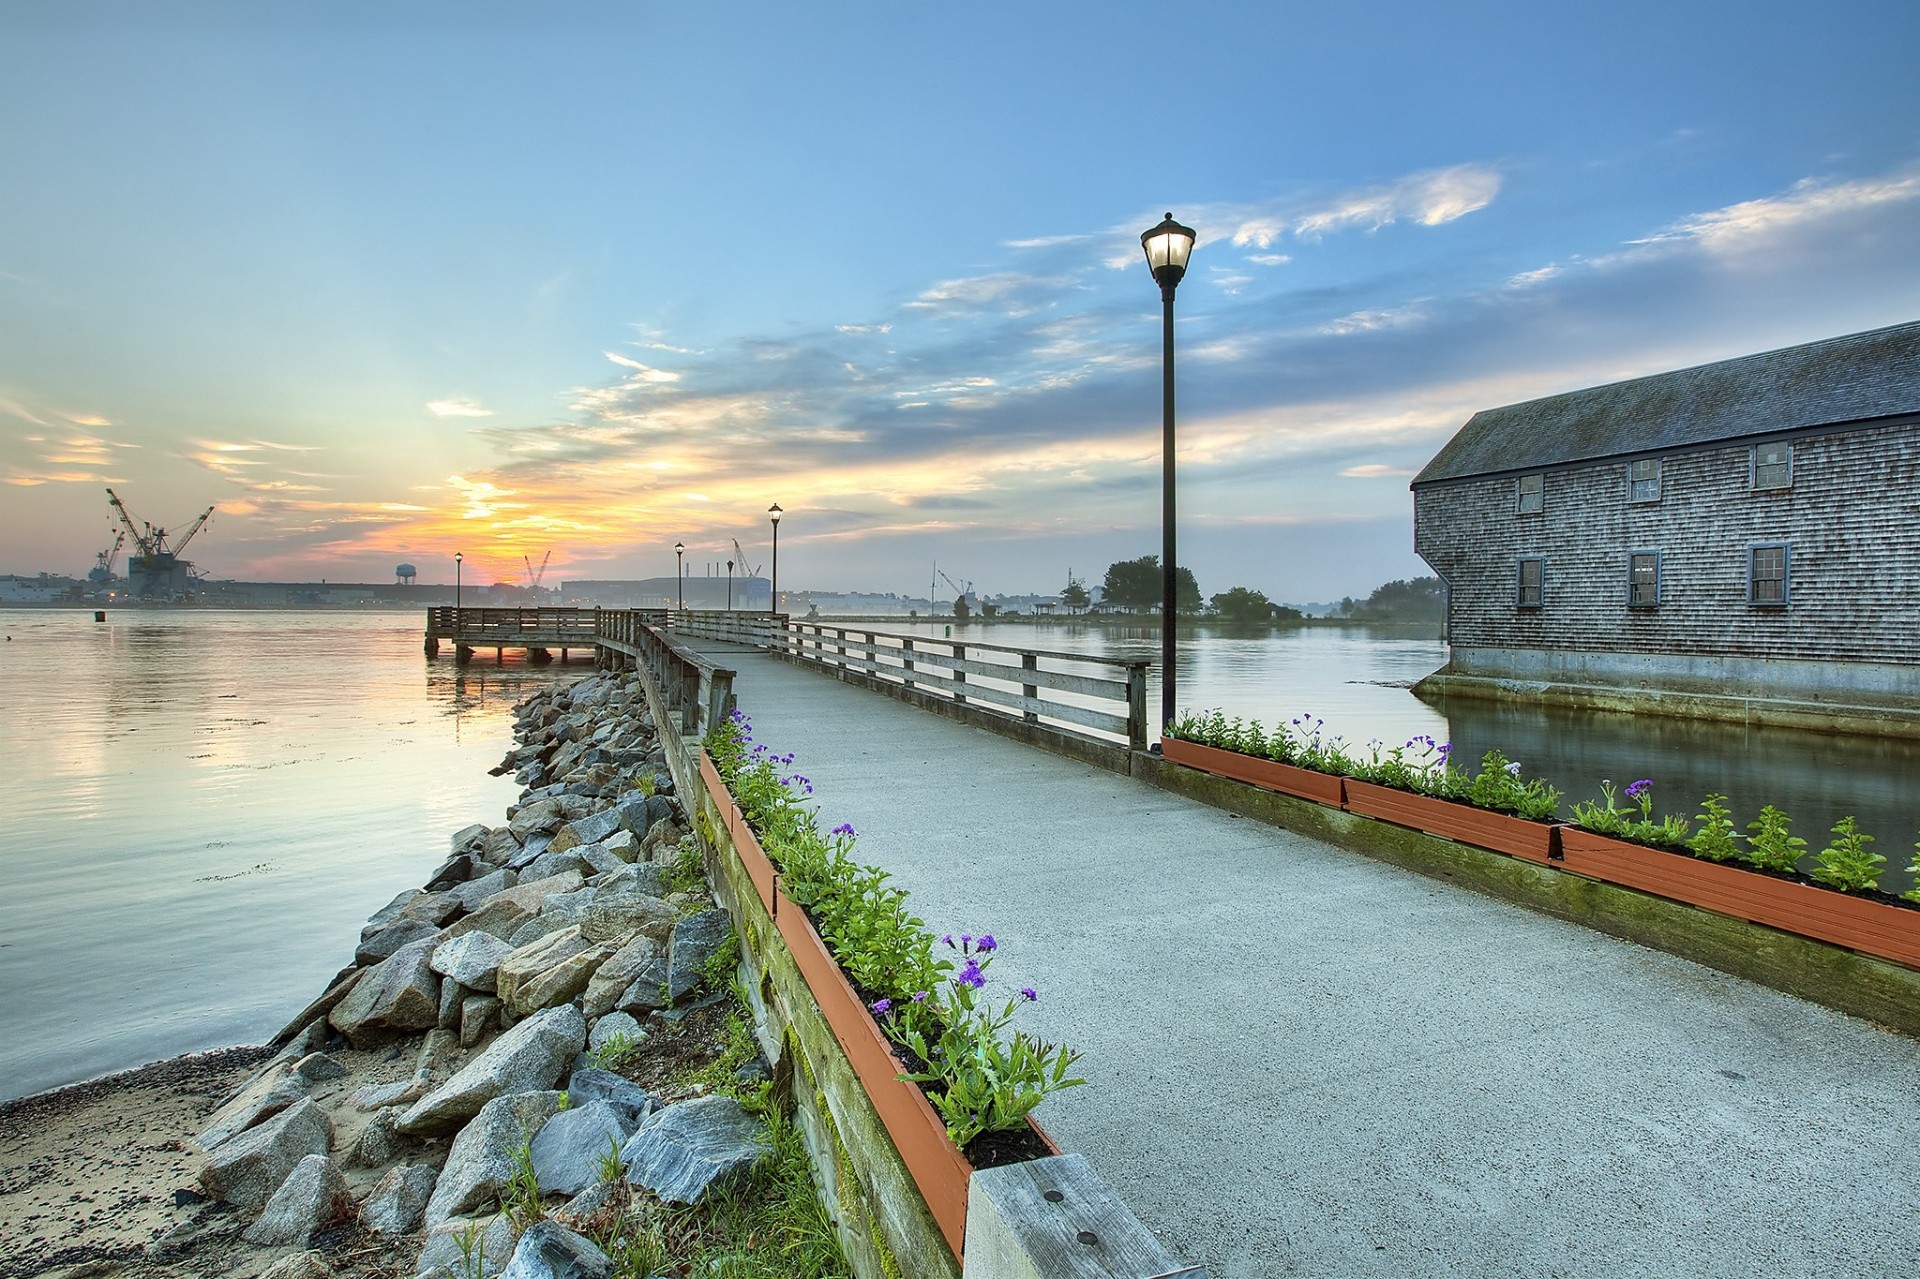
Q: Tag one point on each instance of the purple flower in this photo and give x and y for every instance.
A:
(1028, 993)
(966, 939)
(1640, 788)
(1445, 749)
(972, 976)
(986, 942)
(882, 1005)
(947, 940)
(1513, 769)
(919, 996)
(845, 828)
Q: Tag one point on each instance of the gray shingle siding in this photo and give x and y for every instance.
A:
(1851, 520)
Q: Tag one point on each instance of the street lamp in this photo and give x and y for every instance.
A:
(1167, 246)
(680, 574)
(773, 588)
(457, 619)
(729, 586)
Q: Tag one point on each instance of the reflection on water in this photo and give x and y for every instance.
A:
(205, 806)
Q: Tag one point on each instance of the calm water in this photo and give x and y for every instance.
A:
(203, 807)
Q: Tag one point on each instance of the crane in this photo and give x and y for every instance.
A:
(957, 588)
(101, 574)
(156, 568)
(535, 574)
(746, 569)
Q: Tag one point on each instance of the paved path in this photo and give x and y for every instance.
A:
(1306, 1062)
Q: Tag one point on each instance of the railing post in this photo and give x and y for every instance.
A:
(959, 676)
(1137, 706)
(841, 634)
(1032, 663)
(906, 659)
(719, 700)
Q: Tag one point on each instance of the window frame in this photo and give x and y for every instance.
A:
(1539, 494)
(1520, 599)
(1658, 481)
(1785, 579)
(1753, 467)
(1658, 576)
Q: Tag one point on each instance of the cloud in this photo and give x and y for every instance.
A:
(19, 410)
(459, 406)
(642, 373)
(1270, 259)
(1007, 292)
(863, 328)
(1752, 224)
(1377, 471)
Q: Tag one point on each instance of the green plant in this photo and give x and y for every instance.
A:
(1715, 840)
(717, 969)
(520, 1197)
(618, 1050)
(646, 783)
(685, 873)
(1770, 846)
(1498, 786)
(473, 1260)
(1846, 863)
(610, 1166)
(1611, 819)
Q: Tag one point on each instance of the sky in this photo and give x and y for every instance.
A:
(383, 283)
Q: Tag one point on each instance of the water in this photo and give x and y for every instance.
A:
(204, 807)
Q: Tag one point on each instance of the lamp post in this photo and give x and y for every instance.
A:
(729, 586)
(1167, 246)
(773, 589)
(680, 574)
(457, 619)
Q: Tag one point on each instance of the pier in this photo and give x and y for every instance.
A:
(1303, 1059)
(536, 631)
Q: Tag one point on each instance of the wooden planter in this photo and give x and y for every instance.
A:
(1860, 923)
(1501, 832)
(1267, 774)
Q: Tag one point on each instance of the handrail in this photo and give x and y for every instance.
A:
(692, 684)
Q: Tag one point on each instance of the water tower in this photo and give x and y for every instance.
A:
(405, 573)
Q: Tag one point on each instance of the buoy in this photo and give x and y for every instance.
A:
(99, 615)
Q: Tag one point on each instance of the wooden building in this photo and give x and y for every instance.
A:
(1740, 540)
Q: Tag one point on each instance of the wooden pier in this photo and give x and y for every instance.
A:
(537, 631)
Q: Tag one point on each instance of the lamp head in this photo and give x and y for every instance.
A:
(1168, 246)
(774, 512)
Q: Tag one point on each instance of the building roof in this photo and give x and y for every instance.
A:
(1838, 380)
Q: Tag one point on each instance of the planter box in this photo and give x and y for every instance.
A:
(1501, 832)
(759, 867)
(1859, 923)
(1267, 774)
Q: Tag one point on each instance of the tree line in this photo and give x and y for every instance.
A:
(1137, 586)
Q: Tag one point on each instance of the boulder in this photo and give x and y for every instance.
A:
(468, 838)
(471, 959)
(451, 995)
(477, 1015)
(548, 1250)
(529, 851)
(497, 918)
(388, 913)
(600, 859)
(640, 878)
(589, 1084)
(398, 1200)
(435, 908)
(313, 1196)
(249, 1167)
(642, 955)
(454, 871)
(317, 1068)
(391, 938)
(550, 863)
(612, 1027)
(499, 846)
(695, 940)
(540, 817)
(301, 1265)
(568, 1153)
(624, 907)
(480, 1161)
(370, 1097)
(529, 961)
(531, 893)
(530, 1056)
(560, 983)
(623, 844)
(593, 828)
(680, 1151)
(377, 1143)
(489, 1240)
(476, 891)
(265, 1095)
(400, 994)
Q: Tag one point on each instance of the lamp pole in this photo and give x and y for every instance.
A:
(773, 591)
(458, 620)
(1167, 246)
(729, 586)
(680, 574)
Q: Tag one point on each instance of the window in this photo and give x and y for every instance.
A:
(1643, 480)
(1773, 466)
(1767, 575)
(1532, 495)
(1528, 593)
(1643, 579)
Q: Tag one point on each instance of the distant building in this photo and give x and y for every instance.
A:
(1738, 539)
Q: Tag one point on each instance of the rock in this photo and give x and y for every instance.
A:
(301, 1265)
(476, 891)
(647, 992)
(265, 1095)
(640, 878)
(398, 1200)
(623, 844)
(436, 1052)
(451, 996)
(589, 1084)
(477, 1015)
(623, 907)
(530, 1056)
(610, 981)
(468, 838)
(391, 938)
(318, 1068)
(550, 863)
(388, 913)
(480, 1161)
(661, 836)
(695, 940)
(531, 893)
(342, 986)
(571, 1147)
(435, 908)
(593, 828)
(541, 925)
(453, 872)
(611, 1027)
(496, 918)
(378, 1142)
(560, 983)
(600, 859)
(529, 961)
(499, 846)
(313, 1195)
(377, 1096)
(678, 1152)
(400, 994)
(247, 1168)
(531, 849)
(592, 1200)
(490, 1241)
(471, 959)
(541, 816)
(548, 1250)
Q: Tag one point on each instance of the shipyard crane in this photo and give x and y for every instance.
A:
(156, 568)
(746, 569)
(957, 588)
(101, 574)
(535, 574)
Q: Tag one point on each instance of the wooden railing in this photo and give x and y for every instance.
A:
(695, 686)
(512, 627)
(758, 629)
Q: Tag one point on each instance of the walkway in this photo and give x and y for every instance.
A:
(1302, 1061)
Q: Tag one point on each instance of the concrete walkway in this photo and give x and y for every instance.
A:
(1305, 1062)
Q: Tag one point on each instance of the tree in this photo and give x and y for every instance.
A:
(1243, 605)
(960, 610)
(1136, 585)
(1420, 599)
(1075, 597)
